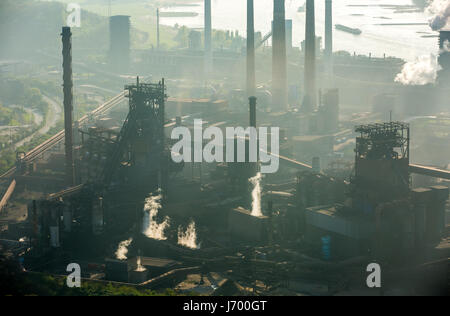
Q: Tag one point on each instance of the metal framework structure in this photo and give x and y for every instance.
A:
(381, 164)
(140, 142)
(383, 141)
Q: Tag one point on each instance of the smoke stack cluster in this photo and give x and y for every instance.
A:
(279, 59)
(309, 102)
(68, 103)
(251, 76)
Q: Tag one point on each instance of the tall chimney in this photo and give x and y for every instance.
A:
(279, 63)
(157, 28)
(444, 58)
(252, 111)
(68, 103)
(208, 36)
(251, 77)
(328, 34)
(309, 103)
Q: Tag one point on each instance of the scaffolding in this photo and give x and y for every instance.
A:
(383, 141)
(381, 164)
(140, 143)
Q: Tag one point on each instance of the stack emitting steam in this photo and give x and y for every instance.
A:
(139, 266)
(122, 250)
(150, 226)
(424, 70)
(189, 237)
(256, 195)
(441, 11)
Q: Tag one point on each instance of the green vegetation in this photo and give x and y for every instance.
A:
(8, 159)
(24, 92)
(14, 117)
(14, 282)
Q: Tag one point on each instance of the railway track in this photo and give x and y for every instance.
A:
(36, 152)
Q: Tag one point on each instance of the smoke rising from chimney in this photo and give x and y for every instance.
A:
(122, 249)
(441, 11)
(420, 72)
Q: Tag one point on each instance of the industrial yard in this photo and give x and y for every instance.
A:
(230, 165)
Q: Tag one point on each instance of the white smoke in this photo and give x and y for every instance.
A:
(420, 72)
(150, 226)
(189, 238)
(440, 9)
(122, 249)
(256, 194)
(139, 265)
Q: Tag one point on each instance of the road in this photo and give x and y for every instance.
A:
(53, 116)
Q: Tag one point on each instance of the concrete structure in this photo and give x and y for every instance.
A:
(157, 28)
(444, 57)
(208, 39)
(279, 59)
(310, 98)
(119, 41)
(289, 43)
(328, 52)
(68, 104)
(251, 76)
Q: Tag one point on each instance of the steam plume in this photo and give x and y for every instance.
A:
(189, 238)
(122, 250)
(441, 11)
(150, 226)
(256, 194)
(420, 72)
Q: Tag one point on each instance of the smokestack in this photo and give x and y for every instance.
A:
(279, 63)
(208, 35)
(251, 77)
(157, 28)
(444, 57)
(68, 103)
(252, 111)
(309, 103)
(328, 34)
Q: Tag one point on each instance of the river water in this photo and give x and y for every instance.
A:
(399, 41)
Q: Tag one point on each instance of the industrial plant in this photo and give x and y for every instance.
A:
(267, 163)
